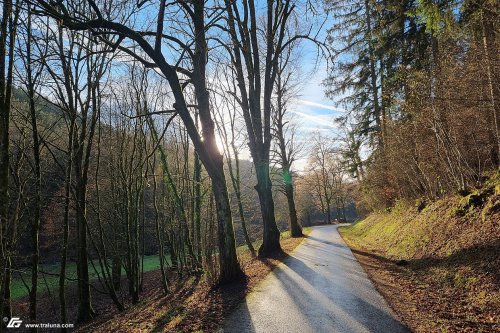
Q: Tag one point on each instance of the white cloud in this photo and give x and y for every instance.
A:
(323, 120)
(320, 105)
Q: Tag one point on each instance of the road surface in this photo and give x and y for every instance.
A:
(319, 288)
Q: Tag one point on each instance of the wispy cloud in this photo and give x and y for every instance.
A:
(320, 120)
(320, 105)
(315, 129)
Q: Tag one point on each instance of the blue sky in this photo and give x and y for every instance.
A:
(312, 111)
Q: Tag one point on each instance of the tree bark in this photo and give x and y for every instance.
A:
(85, 310)
(230, 269)
(35, 228)
(67, 201)
(295, 228)
(491, 54)
(7, 29)
(271, 235)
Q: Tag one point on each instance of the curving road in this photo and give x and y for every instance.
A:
(319, 288)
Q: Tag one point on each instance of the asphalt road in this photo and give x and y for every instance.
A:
(319, 288)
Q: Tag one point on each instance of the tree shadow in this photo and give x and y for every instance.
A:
(336, 294)
(485, 258)
(316, 239)
(243, 321)
(320, 304)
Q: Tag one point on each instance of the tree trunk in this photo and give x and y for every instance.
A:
(67, 201)
(344, 218)
(487, 25)
(35, 228)
(85, 311)
(116, 271)
(295, 228)
(373, 75)
(271, 235)
(244, 224)
(229, 267)
(6, 288)
(5, 89)
(197, 207)
(328, 213)
(161, 252)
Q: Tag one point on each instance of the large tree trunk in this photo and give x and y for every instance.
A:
(295, 228)
(35, 228)
(85, 311)
(229, 267)
(271, 235)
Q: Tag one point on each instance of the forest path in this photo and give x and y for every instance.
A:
(320, 287)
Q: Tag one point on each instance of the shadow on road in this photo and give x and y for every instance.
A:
(370, 317)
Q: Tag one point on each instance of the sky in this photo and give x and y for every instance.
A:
(312, 111)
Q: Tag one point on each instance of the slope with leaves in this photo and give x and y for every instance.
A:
(437, 263)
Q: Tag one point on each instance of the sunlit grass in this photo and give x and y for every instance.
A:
(49, 276)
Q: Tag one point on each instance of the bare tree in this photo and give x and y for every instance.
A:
(255, 51)
(322, 166)
(284, 131)
(230, 136)
(33, 75)
(8, 27)
(196, 49)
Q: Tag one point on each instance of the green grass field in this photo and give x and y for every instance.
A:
(50, 282)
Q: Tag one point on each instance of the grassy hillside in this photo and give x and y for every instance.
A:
(437, 263)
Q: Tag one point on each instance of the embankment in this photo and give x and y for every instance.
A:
(437, 263)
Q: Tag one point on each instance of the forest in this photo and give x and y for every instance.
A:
(159, 140)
